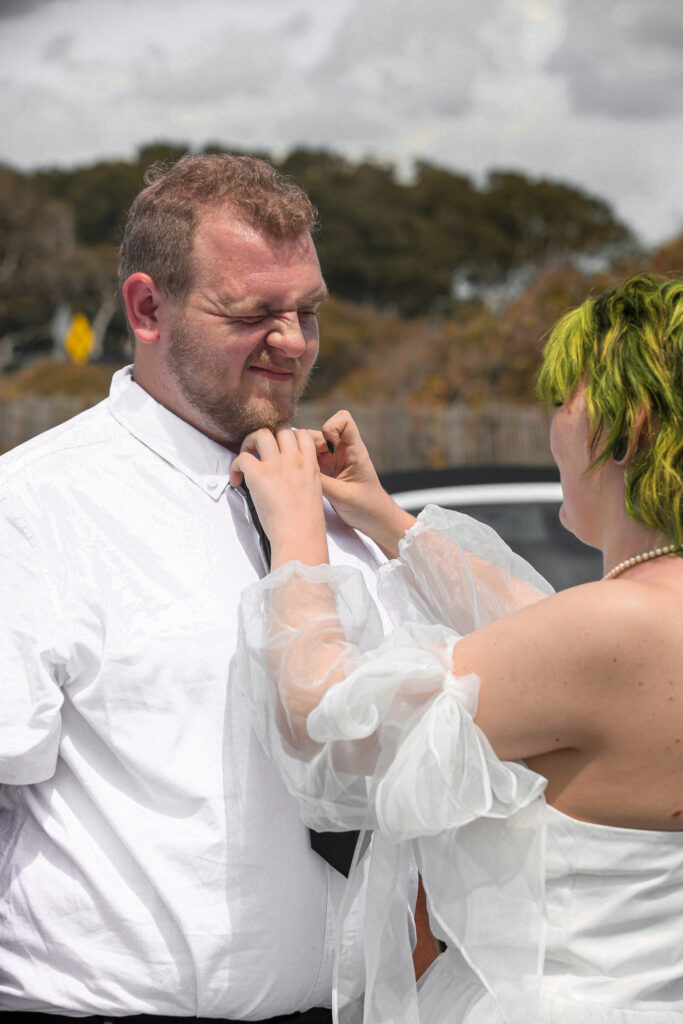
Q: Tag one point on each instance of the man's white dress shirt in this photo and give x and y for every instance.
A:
(151, 860)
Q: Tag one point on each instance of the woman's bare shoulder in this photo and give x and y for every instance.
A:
(585, 629)
(609, 623)
(549, 673)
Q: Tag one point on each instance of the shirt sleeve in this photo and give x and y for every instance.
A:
(31, 696)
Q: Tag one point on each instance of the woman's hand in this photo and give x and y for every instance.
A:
(281, 471)
(351, 485)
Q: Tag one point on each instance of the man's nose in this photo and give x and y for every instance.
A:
(287, 336)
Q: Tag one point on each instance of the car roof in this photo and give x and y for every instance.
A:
(481, 494)
(473, 485)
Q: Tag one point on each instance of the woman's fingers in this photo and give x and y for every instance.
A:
(256, 447)
(263, 446)
(341, 428)
(338, 429)
(281, 469)
(306, 444)
(287, 439)
(238, 466)
(322, 445)
(268, 444)
(260, 442)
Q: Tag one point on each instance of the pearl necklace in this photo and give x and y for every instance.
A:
(668, 549)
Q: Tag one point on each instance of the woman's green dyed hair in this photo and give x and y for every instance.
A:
(627, 346)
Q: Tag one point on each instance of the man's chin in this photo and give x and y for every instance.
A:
(275, 411)
(266, 414)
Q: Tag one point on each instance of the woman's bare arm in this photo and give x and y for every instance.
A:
(550, 673)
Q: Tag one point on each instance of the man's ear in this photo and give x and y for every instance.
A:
(142, 299)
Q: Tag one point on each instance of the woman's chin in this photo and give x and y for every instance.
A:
(568, 521)
(580, 531)
(563, 517)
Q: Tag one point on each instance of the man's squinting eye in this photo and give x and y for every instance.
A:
(304, 315)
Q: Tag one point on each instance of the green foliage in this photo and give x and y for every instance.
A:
(370, 240)
(42, 267)
(668, 258)
(475, 354)
(395, 253)
(352, 338)
(397, 245)
(101, 194)
(402, 246)
(538, 221)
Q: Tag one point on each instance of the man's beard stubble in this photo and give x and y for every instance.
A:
(228, 419)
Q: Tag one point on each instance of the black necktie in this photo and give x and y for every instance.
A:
(262, 535)
(336, 848)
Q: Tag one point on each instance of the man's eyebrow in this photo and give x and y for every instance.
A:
(254, 307)
(243, 307)
(321, 295)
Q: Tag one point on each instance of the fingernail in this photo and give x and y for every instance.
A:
(330, 447)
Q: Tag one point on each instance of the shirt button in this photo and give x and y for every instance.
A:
(213, 484)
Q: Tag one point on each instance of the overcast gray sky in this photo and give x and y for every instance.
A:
(584, 91)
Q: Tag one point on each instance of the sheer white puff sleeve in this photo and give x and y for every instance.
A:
(378, 734)
(456, 570)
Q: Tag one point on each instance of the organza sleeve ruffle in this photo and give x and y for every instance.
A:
(338, 706)
(392, 743)
(377, 733)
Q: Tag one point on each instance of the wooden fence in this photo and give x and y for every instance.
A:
(23, 418)
(399, 436)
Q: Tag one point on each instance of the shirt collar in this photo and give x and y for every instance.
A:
(201, 459)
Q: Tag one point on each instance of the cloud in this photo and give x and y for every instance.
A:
(335, 125)
(236, 63)
(623, 58)
(585, 91)
(21, 8)
(279, 83)
(58, 47)
(403, 59)
(52, 119)
(394, 67)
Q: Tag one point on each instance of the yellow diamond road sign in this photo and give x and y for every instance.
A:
(79, 340)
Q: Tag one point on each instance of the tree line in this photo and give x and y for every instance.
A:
(442, 287)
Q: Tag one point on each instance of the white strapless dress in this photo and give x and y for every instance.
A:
(547, 920)
(615, 921)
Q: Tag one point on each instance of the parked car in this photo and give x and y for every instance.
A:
(521, 503)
